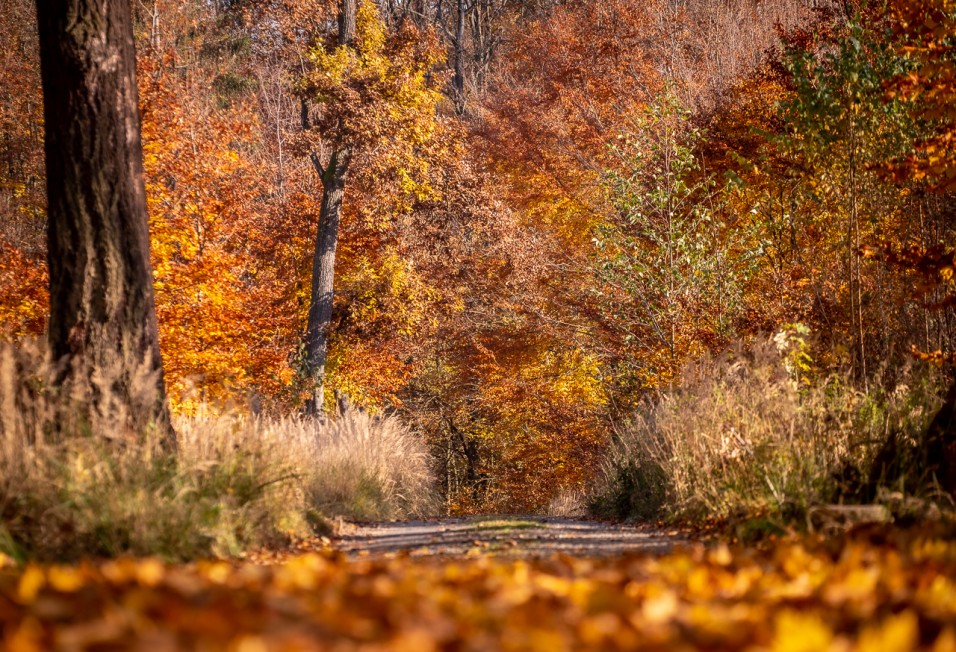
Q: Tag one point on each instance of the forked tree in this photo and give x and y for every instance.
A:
(102, 327)
(369, 94)
(333, 174)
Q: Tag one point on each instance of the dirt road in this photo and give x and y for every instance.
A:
(513, 536)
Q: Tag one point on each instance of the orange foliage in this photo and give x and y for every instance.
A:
(789, 596)
(925, 29)
(24, 298)
(472, 291)
(568, 80)
(225, 319)
(23, 291)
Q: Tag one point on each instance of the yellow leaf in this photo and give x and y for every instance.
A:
(660, 608)
(65, 579)
(31, 582)
(150, 572)
(798, 632)
(899, 633)
(946, 641)
(25, 638)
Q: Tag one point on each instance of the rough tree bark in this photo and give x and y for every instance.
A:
(102, 317)
(333, 175)
(347, 12)
(938, 447)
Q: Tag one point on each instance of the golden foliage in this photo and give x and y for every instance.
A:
(788, 598)
(23, 293)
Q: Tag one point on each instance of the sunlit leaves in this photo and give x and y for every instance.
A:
(225, 314)
(925, 30)
(662, 262)
(23, 279)
(24, 299)
(379, 96)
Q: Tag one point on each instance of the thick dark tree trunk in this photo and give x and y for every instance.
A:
(334, 175)
(938, 448)
(102, 316)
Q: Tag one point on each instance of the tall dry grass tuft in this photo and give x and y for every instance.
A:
(357, 466)
(749, 435)
(21, 411)
(371, 467)
(568, 503)
(234, 482)
(40, 400)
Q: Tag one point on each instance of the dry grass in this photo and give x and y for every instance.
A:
(568, 503)
(357, 466)
(235, 482)
(745, 436)
(370, 467)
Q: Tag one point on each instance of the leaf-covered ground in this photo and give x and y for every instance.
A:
(866, 594)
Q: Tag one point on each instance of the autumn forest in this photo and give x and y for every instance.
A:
(478, 325)
(534, 214)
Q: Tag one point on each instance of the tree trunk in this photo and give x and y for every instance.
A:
(459, 80)
(938, 447)
(334, 176)
(102, 316)
(323, 274)
(347, 12)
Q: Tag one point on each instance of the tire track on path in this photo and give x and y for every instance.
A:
(511, 536)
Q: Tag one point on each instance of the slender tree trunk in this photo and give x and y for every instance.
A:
(334, 176)
(102, 317)
(459, 80)
(323, 274)
(854, 245)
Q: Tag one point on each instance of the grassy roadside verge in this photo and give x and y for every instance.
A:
(235, 482)
(757, 441)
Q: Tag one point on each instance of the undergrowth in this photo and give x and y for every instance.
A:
(234, 482)
(755, 436)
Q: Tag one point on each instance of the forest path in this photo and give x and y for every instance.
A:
(509, 536)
